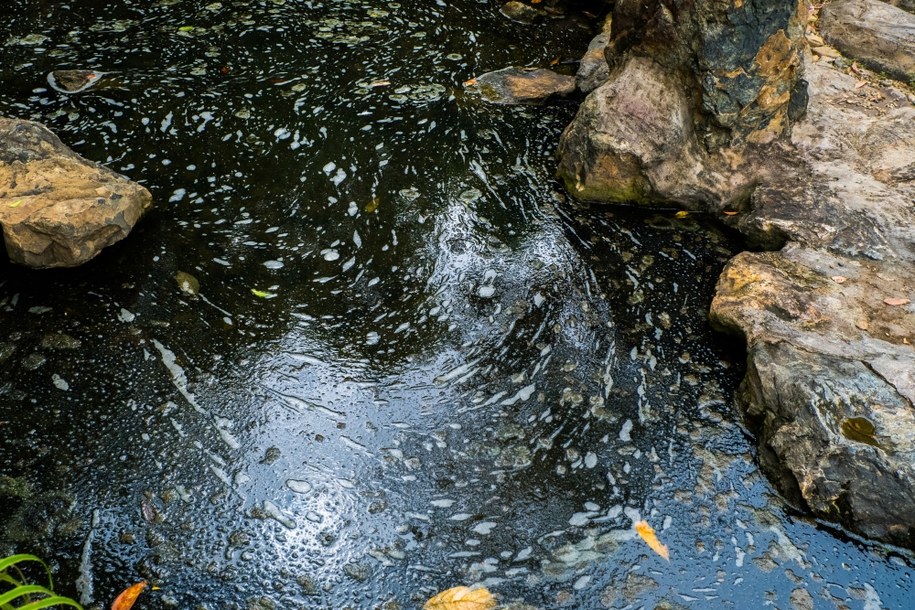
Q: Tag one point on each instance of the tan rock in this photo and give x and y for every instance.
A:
(633, 140)
(56, 208)
(521, 86)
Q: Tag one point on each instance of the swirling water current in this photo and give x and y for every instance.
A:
(364, 349)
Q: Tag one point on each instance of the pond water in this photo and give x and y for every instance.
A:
(364, 350)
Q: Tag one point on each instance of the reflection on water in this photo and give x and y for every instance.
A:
(363, 350)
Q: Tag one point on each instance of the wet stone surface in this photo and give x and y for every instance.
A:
(363, 350)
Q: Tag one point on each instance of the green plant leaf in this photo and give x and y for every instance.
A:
(12, 560)
(22, 591)
(57, 600)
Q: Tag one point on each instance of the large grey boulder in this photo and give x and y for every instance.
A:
(634, 139)
(56, 208)
(880, 36)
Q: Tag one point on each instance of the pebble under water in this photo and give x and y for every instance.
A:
(364, 350)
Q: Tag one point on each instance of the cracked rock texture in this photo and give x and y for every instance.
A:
(713, 106)
(692, 88)
(56, 208)
(828, 318)
(880, 36)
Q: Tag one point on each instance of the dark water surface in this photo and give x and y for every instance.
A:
(400, 363)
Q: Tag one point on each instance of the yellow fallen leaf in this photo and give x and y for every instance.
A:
(128, 596)
(462, 598)
(729, 213)
(260, 293)
(16, 204)
(647, 534)
(895, 301)
(682, 214)
(372, 205)
(470, 82)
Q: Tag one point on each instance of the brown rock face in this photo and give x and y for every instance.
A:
(879, 35)
(634, 139)
(829, 320)
(727, 73)
(700, 108)
(56, 208)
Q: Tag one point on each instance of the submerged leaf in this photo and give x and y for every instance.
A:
(128, 596)
(647, 534)
(372, 205)
(462, 598)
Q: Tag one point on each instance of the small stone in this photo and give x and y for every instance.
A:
(60, 210)
(521, 12)
(520, 86)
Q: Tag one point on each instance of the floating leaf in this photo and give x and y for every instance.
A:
(261, 293)
(372, 205)
(729, 213)
(470, 83)
(839, 279)
(186, 28)
(682, 214)
(128, 596)
(894, 301)
(462, 598)
(647, 534)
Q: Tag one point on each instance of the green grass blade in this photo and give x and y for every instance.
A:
(51, 601)
(22, 591)
(12, 560)
(4, 577)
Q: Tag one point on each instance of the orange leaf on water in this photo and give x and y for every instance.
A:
(729, 213)
(128, 596)
(462, 598)
(647, 534)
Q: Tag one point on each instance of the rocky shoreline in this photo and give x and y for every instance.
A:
(812, 157)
